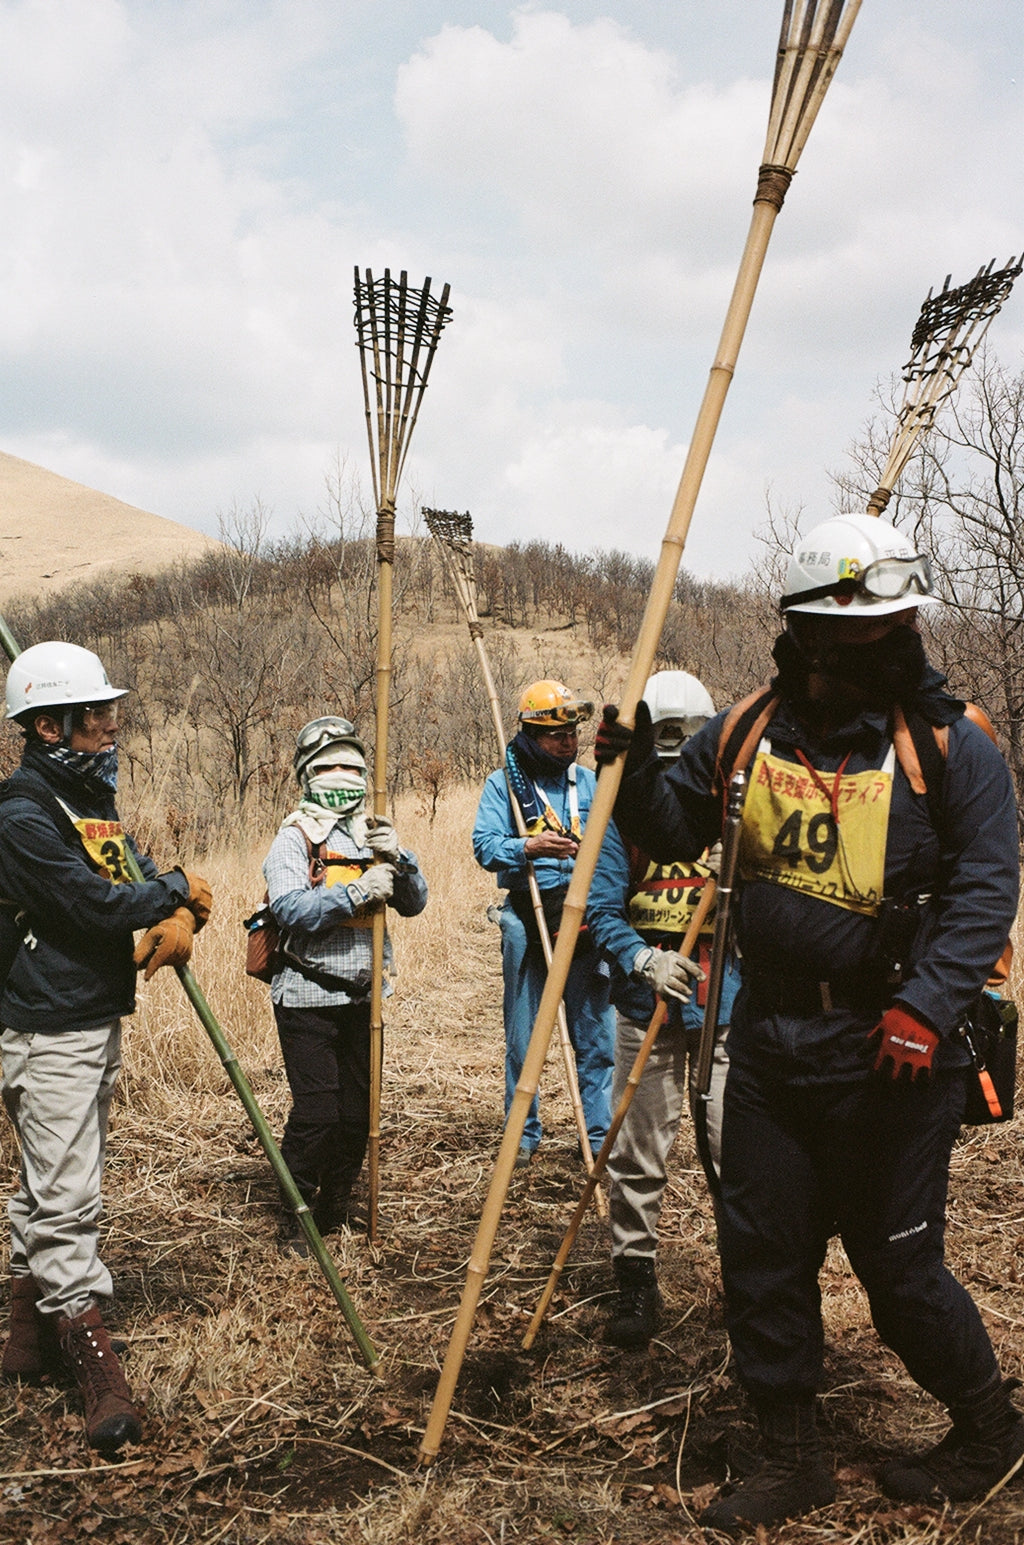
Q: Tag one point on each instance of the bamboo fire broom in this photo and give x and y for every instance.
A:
(949, 329)
(811, 43)
(397, 330)
(243, 1089)
(453, 534)
(600, 1163)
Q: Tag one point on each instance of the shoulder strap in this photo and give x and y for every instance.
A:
(24, 785)
(742, 728)
(921, 750)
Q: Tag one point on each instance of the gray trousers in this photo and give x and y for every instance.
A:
(637, 1164)
(57, 1090)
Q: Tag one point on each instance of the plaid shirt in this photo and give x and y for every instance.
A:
(315, 921)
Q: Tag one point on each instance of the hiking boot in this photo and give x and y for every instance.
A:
(792, 1479)
(524, 1158)
(111, 1419)
(635, 1317)
(291, 1237)
(984, 1443)
(32, 1350)
(330, 1213)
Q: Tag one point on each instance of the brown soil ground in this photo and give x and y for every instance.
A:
(261, 1422)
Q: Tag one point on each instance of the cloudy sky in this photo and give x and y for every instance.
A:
(187, 185)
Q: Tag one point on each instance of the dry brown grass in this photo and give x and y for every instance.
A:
(261, 1422)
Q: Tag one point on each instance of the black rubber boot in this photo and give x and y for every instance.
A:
(637, 1309)
(984, 1443)
(793, 1477)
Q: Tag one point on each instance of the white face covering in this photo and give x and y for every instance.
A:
(341, 790)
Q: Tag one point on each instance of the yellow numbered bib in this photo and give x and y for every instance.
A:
(825, 840)
(105, 843)
(667, 897)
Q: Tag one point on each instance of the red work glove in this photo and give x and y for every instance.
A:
(613, 738)
(903, 1041)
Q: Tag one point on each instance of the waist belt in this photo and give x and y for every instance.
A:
(801, 995)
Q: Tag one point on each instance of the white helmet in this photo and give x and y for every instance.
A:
(857, 563)
(679, 705)
(57, 675)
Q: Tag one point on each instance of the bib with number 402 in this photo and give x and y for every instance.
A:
(822, 835)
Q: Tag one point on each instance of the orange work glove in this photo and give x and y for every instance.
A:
(200, 898)
(903, 1041)
(166, 944)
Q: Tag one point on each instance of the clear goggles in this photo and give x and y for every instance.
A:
(890, 579)
(670, 735)
(886, 579)
(97, 715)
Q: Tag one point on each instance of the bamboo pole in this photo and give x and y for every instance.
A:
(452, 533)
(601, 1162)
(397, 331)
(801, 83)
(949, 329)
(243, 1089)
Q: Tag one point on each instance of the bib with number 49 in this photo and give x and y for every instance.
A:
(823, 838)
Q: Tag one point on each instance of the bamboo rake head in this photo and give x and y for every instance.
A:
(811, 42)
(397, 331)
(948, 330)
(453, 533)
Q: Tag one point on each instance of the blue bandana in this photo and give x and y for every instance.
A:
(100, 766)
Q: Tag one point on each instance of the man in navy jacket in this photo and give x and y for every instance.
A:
(68, 921)
(867, 926)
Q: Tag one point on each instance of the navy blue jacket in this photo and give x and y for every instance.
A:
(618, 940)
(78, 972)
(970, 867)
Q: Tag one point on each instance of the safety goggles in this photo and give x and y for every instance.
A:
(886, 579)
(567, 713)
(91, 716)
(670, 735)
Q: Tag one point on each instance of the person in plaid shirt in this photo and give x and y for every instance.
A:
(329, 868)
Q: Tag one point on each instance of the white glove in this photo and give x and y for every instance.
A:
(376, 884)
(383, 839)
(713, 859)
(669, 973)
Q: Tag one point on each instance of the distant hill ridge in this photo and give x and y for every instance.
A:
(54, 532)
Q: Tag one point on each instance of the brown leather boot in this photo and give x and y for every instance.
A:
(110, 1417)
(32, 1350)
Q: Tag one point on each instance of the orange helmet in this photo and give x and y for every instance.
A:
(549, 705)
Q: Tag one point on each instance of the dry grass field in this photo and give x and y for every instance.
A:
(261, 1423)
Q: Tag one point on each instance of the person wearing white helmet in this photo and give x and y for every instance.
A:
(638, 912)
(69, 980)
(329, 869)
(871, 906)
(554, 795)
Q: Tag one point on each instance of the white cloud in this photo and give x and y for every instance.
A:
(184, 191)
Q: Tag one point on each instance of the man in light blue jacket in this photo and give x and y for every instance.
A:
(638, 913)
(554, 794)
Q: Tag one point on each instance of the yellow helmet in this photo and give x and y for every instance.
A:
(549, 704)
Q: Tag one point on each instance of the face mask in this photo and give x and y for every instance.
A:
(341, 790)
(881, 673)
(99, 765)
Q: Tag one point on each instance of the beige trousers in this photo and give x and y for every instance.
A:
(57, 1090)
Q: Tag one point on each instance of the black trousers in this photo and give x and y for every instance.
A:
(327, 1060)
(870, 1161)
